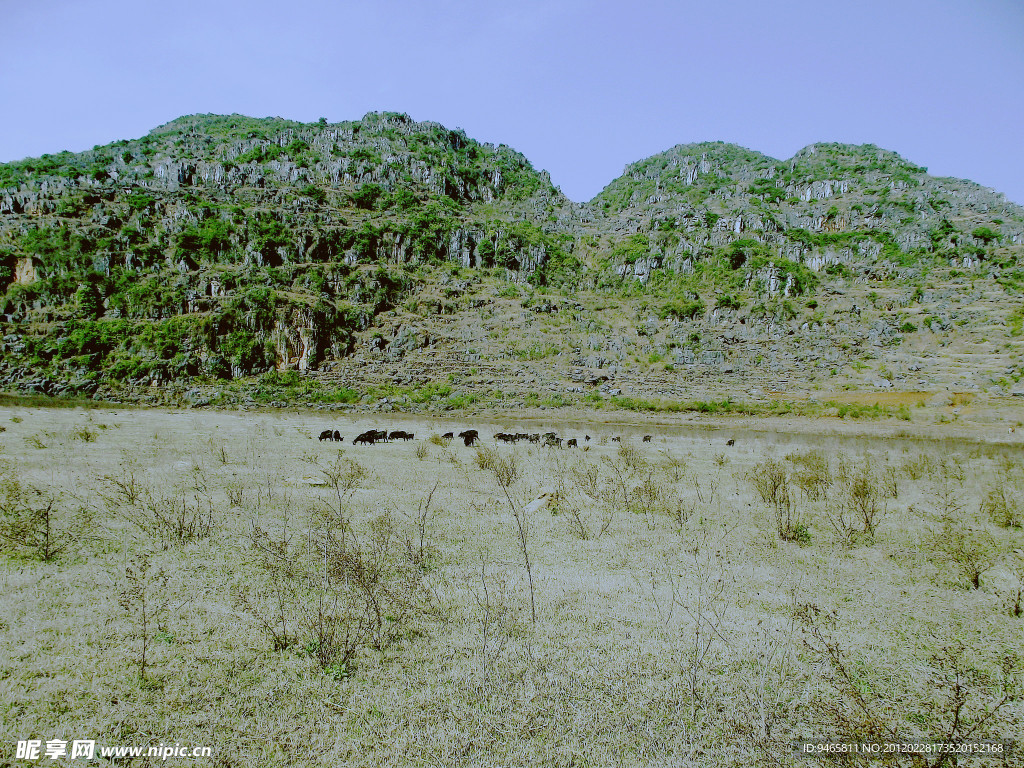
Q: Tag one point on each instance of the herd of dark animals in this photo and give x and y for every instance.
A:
(469, 437)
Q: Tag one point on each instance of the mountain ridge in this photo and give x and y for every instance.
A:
(221, 247)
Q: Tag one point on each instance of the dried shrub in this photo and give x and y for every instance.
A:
(505, 467)
(812, 473)
(581, 492)
(690, 598)
(84, 434)
(236, 493)
(485, 457)
(771, 481)
(335, 589)
(219, 450)
(972, 551)
(30, 518)
(920, 466)
(655, 499)
(674, 468)
(344, 475)
(171, 518)
(1003, 503)
(496, 619)
(890, 482)
(1015, 597)
(142, 596)
(964, 703)
(631, 456)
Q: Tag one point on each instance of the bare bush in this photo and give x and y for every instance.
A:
(171, 518)
(920, 466)
(142, 596)
(1015, 596)
(507, 470)
(387, 590)
(771, 481)
(344, 475)
(972, 551)
(705, 488)
(578, 526)
(855, 516)
(125, 487)
(335, 590)
(495, 619)
(485, 457)
(674, 468)
(84, 434)
(422, 451)
(767, 686)
(419, 550)
(505, 466)
(586, 477)
(690, 601)
(274, 599)
(967, 704)
(235, 492)
(946, 489)
(631, 456)
(30, 518)
(655, 499)
(1003, 502)
(219, 450)
(890, 482)
(812, 473)
(580, 495)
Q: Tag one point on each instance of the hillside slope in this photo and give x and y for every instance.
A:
(404, 264)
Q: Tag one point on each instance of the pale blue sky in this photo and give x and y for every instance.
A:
(581, 88)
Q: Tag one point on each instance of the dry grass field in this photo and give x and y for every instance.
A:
(226, 580)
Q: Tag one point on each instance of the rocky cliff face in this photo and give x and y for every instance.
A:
(220, 247)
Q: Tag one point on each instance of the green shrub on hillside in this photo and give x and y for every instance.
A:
(682, 309)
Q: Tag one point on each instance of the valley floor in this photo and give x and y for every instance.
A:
(224, 579)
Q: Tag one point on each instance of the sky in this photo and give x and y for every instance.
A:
(581, 88)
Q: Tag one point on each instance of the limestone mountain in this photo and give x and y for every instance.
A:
(379, 255)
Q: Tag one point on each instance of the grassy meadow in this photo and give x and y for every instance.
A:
(227, 580)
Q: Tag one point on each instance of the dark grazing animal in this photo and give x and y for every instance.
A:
(730, 442)
(326, 435)
(616, 439)
(448, 436)
(505, 437)
(399, 434)
(337, 437)
(572, 443)
(380, 434)
(469, 436)
(647, 438)
(366, 438)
